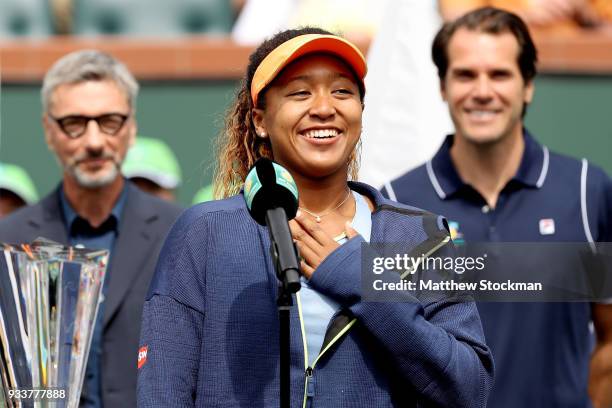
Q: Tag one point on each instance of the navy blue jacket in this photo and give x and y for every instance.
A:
(210, 327)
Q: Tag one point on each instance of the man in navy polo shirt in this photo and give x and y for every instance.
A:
(494, 182)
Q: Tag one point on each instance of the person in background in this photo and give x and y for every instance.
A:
(496, 183)
(16, 189)
(358, 20)
(405, 120)
(153, 167)
(210, 325)
(544, 14)
(204, 194)
(89, 108)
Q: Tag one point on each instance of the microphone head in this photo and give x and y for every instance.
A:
(269, 185)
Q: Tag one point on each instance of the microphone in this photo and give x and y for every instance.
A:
(272, 199)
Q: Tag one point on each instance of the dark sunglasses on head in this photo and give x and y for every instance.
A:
(75, 125)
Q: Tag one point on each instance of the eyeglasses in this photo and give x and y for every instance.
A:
(74, 126)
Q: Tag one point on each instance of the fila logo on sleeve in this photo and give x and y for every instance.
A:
(142, 355)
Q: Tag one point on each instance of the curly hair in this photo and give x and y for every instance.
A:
(237, 146)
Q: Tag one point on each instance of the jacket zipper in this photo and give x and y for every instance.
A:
(309, 383)
(426, 255)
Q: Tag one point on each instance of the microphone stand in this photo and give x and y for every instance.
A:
(286, 264)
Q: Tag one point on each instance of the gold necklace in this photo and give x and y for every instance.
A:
(318, 217)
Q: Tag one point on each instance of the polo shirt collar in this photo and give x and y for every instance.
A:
(446, 181)
(441, 171)
(534, 164)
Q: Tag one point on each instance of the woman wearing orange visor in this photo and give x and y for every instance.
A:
(210, 326)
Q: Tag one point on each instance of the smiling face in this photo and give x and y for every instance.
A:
(484, 87)
(312, 117)
(93, 159)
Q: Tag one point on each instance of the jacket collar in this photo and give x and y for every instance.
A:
(132, 248)
(50, 219)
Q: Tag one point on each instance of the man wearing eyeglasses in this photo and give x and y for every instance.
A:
(88, 101)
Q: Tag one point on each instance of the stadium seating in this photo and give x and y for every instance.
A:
(147, 18)
(25, 18)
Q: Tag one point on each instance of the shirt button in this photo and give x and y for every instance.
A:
(485, 209)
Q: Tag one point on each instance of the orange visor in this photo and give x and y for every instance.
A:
(296, 47)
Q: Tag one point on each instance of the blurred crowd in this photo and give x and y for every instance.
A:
(244, 19)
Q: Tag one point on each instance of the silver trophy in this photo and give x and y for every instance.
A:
(49, 297)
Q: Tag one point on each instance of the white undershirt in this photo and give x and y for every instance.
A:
(318, 309)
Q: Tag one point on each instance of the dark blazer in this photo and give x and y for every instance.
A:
(142, 229)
